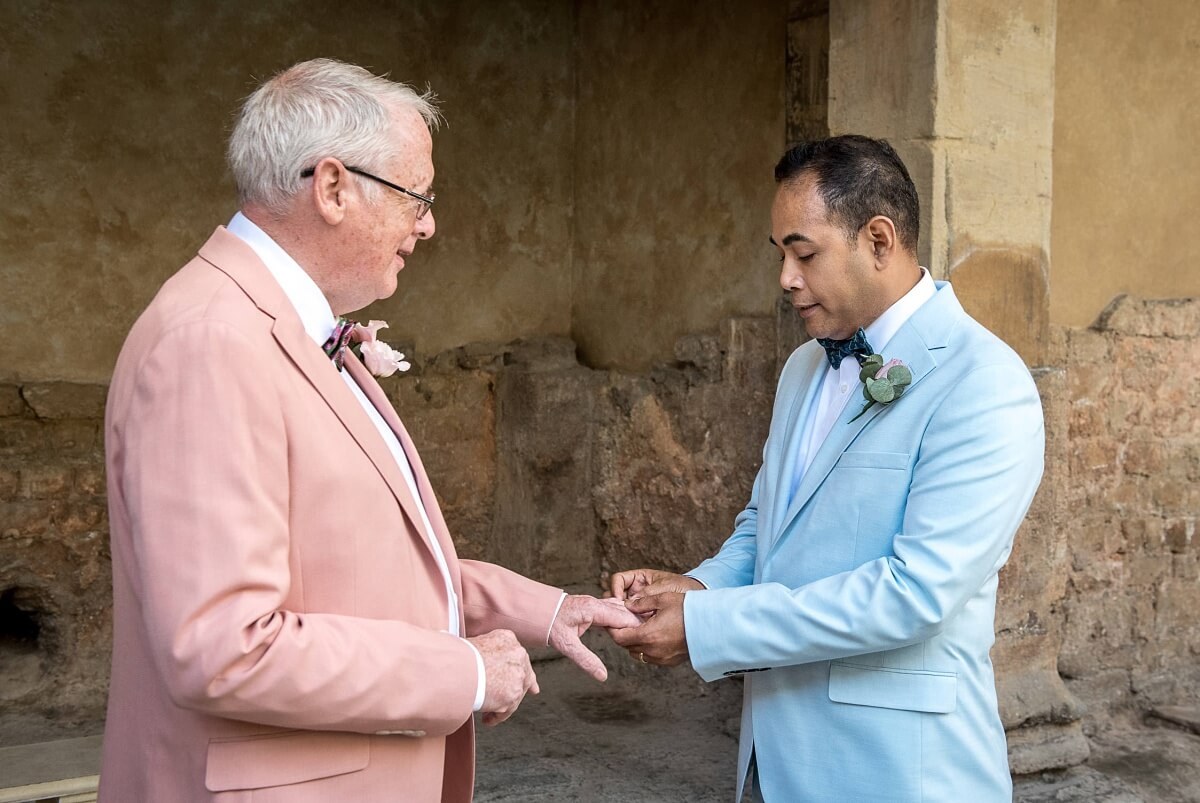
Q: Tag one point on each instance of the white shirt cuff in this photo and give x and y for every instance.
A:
(557, 608)
(697, 579)
(481, 688)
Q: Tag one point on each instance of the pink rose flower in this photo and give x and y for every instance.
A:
(882, 372)
(381, 359)
(369, 332)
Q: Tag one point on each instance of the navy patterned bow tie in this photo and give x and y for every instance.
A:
(336, 345)
(838, 350)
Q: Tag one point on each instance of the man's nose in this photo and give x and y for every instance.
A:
(426, 226)
(790, 278)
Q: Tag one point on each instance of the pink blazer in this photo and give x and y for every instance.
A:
(277, 613)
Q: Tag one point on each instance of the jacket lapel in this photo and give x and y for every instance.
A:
(377, 397)
(802, 404)
(232, 256)
(916, 343)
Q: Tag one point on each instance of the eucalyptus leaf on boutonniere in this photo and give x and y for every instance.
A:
(882, 382)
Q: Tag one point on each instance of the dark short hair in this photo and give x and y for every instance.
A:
(857, 178)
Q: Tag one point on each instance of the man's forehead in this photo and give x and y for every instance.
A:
(798, 214)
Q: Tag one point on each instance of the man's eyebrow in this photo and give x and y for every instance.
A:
(791, 238)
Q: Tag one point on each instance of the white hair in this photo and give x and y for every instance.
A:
(311, 111)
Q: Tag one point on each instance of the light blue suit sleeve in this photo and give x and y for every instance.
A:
(980, 460)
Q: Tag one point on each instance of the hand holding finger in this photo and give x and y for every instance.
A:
(508, 674)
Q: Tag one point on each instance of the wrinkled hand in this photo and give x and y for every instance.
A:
(642, 582)
(662, 639)
(577, 614)
(509, 674)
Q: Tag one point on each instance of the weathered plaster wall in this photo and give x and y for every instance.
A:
(679, 124)
(1126, 113)
(609, 134)
(112, 136)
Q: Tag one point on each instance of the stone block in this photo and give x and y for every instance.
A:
(1146, 571)
(81, 517)
(74, 438)
(45, 481)
(749, 345)
(1175, 682)
(11, 403)
(1036, 693)
(1171, 495)
(1097, 634)
(1182, 715)
(450, 415)
(10, 482)
(544, 524)
(1101, 691)
(1144, 456)
(883, 91)
(1143, 532)
(702, 354)
(1005, 289)
(65, 399)
(28, 518)
(1180, 534)
(90, 479)
(1186, 567)
(1129, 315)
(1087, 348)
(1044, 747)
(20, 437)
(808, 71)
(1079, 784)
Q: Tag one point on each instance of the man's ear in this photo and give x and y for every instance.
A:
(330, 185)
(881, 234)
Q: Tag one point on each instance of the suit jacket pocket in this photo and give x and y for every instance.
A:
(884, 687)
(283, 758)
(856, 459)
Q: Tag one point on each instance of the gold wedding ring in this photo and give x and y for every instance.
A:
(642, 657)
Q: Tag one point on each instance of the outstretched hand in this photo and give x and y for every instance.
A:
(577, 614)
(636, 583)
(662, 639)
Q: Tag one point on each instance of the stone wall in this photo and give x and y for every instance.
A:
(567, 473)
(1132, 605)
(55, 581)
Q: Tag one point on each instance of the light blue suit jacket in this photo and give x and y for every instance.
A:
(865, 605)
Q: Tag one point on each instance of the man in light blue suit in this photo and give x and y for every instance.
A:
(857, 592)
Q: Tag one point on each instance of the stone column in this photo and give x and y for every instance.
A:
(964, 90)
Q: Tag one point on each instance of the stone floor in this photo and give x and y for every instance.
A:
(647, 734)
(663, 736)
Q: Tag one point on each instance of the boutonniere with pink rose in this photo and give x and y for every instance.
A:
(363, 339)
(380, 358)
(883, 382)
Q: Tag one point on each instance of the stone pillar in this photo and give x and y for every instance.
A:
(964, 90)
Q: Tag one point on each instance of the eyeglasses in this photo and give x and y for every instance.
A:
(424, 201)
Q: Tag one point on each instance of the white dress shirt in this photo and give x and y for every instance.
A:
(841, 385)
(319, 322)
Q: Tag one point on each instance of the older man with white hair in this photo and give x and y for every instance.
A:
(291, 621)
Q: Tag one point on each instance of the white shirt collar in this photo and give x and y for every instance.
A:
(310, 303)
(881, 332)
